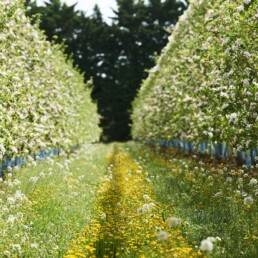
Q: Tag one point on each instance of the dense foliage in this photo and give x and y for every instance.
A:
(205, 84)
(115, 55)
(44, 102)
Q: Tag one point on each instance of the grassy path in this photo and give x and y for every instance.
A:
(128, 201)
(129, 221)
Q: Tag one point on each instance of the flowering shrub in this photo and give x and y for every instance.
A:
(44, 102)
(205, 84)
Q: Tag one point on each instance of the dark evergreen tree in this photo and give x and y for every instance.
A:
(116, 56)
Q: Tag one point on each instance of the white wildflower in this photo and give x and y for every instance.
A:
(11, 200)
(248, 200)
(33, 179)
(16, 182)
(11, 219)
(162, 235)
(16, 247)
(16, 168)
(146, 196)
(206, 245)
(42, 175)
(240, 8)
(233, 118)
(173, 222)
(146, 208)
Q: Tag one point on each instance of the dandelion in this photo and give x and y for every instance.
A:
(240, 8)
(146, 208)
(16, 182)
(42, 175)
(145, 196)
(16, 168)
(33, 179)
(19, 195)
(16, 247)
(173, 222)
(162, 235)
(11, 219)
(206, 245)
(248, 200)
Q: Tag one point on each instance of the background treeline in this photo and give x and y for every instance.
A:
(44, 102)
(115, 55)
(204, 87)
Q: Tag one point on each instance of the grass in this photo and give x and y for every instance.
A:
(132, 201)
(212, 201)
(129, 221)
(43, 207)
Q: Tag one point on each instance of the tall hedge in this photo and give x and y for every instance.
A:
(44, 102)
(205, 84)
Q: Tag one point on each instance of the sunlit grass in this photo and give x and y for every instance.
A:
(43, 207)
(212, 201)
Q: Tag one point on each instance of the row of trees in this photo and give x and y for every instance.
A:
(116, 56)
(44, 102)
(205, 84)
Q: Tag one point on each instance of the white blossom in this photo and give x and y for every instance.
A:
(173, 222)
(248, 200)
(162, 235)
(206, 245)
